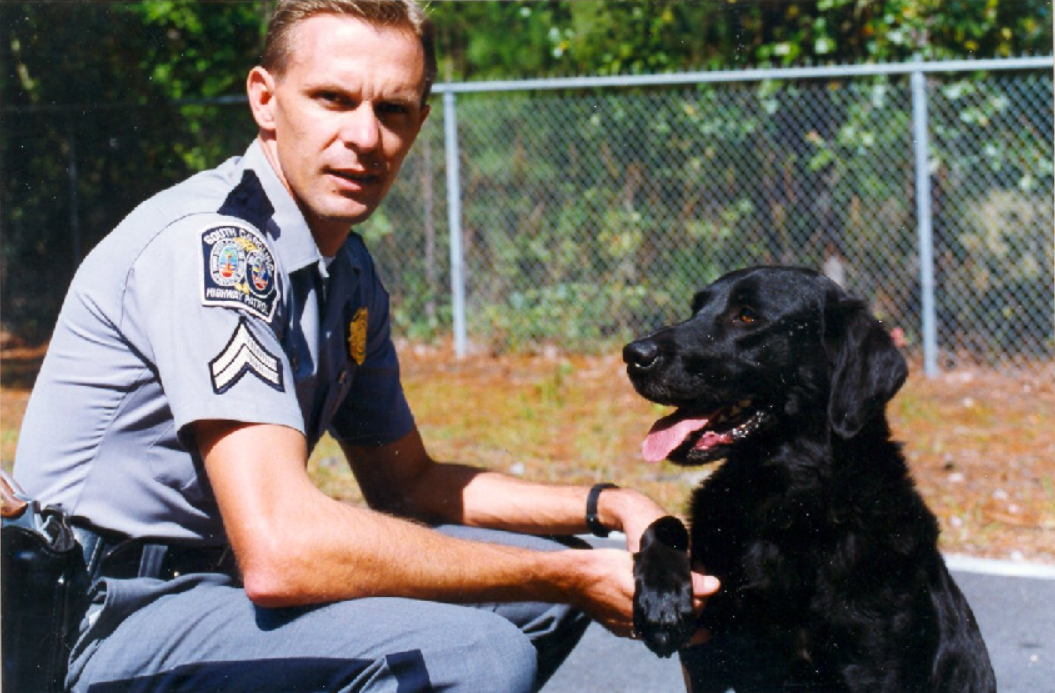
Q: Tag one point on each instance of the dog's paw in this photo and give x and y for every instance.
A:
(663, 616)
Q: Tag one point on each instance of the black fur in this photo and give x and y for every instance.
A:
(831, 577)
(663, 617)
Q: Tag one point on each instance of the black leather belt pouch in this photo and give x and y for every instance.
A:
(44, 586)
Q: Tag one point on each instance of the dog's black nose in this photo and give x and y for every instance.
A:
(641, 354)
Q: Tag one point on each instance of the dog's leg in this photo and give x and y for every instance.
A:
(663, 614)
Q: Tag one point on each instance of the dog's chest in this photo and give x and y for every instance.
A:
(763, 538)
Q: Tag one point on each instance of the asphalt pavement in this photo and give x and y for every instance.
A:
(1013, 602)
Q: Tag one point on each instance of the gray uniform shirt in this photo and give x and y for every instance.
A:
(209, 301)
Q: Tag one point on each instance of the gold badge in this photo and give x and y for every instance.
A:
(357, 337)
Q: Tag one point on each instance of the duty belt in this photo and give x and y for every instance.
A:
(114, 556)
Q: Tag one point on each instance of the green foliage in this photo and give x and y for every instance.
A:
(207, 49)
(623, 37)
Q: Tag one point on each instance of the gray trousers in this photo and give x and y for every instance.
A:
(200, 633)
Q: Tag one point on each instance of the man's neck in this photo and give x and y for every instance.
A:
(329, 241)
(329, 236)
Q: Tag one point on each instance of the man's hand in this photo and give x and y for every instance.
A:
(636, 514)
(604, 582)
(606, 589)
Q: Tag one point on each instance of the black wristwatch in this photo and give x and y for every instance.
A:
(592, 521)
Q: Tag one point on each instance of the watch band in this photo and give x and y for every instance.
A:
(593, 523)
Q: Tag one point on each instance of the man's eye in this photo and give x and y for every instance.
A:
(746, 315)
(392, 109)
(332, 98)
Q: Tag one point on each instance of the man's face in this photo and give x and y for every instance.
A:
(344, 114)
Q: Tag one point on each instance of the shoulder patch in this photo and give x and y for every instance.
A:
(238, 270)
(244, 354)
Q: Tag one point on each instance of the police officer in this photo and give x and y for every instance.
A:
(208, 343)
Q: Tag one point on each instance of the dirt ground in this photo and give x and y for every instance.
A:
(981, 444)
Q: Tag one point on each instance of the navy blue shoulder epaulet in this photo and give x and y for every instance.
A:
(249, 202)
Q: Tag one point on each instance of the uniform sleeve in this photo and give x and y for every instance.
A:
(375, 411)
(200, 301)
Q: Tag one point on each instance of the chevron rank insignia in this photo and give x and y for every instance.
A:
(244, 354)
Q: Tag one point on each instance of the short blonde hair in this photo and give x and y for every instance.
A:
(389, 13)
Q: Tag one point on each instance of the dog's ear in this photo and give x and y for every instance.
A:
(867, 368)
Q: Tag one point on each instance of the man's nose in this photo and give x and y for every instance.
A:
(360, 128)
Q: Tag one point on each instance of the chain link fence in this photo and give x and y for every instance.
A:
(586, 212)
(591, 213)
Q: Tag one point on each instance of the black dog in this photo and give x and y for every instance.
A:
(831, 577)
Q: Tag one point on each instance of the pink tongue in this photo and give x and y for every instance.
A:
(667, 434)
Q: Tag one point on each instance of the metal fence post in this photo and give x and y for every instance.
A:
(454, 220)
(923, 221)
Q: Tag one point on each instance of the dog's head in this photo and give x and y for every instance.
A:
(766, 350)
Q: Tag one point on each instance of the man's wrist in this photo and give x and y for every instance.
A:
(594, 522)
(561, 577)
(628, 511)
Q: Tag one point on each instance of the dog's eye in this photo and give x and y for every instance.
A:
(746, 316)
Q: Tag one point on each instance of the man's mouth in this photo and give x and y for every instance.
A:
(357, 178)
(690, 436)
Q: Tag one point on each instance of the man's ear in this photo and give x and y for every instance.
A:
(260, 86)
